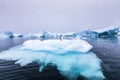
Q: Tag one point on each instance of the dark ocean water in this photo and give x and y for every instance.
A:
(108, 50)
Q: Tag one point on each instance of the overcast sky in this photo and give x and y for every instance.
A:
(23, 16)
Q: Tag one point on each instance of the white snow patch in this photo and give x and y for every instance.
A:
(57, 46)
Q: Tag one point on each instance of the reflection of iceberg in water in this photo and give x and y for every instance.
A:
(73, 58)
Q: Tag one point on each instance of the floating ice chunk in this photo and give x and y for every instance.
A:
(108, 32)
(82, 62)
(57, 46)
(70, 65)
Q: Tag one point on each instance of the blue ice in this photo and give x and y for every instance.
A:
(73, 58)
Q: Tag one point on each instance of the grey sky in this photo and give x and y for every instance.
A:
(58, 15)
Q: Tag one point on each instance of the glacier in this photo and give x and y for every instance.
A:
(73, 58)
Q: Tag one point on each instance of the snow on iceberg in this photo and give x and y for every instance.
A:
(73, 63)
(57, 46)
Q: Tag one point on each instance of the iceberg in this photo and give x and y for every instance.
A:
(42, 35)
(89, 34)
(108, 32)
(48, 35)
(69, 35)
(114, 28)
(73, 58)
(6, 34)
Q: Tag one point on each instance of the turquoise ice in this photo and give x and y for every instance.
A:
(73, 58)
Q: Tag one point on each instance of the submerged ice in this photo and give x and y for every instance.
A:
(73, 58)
